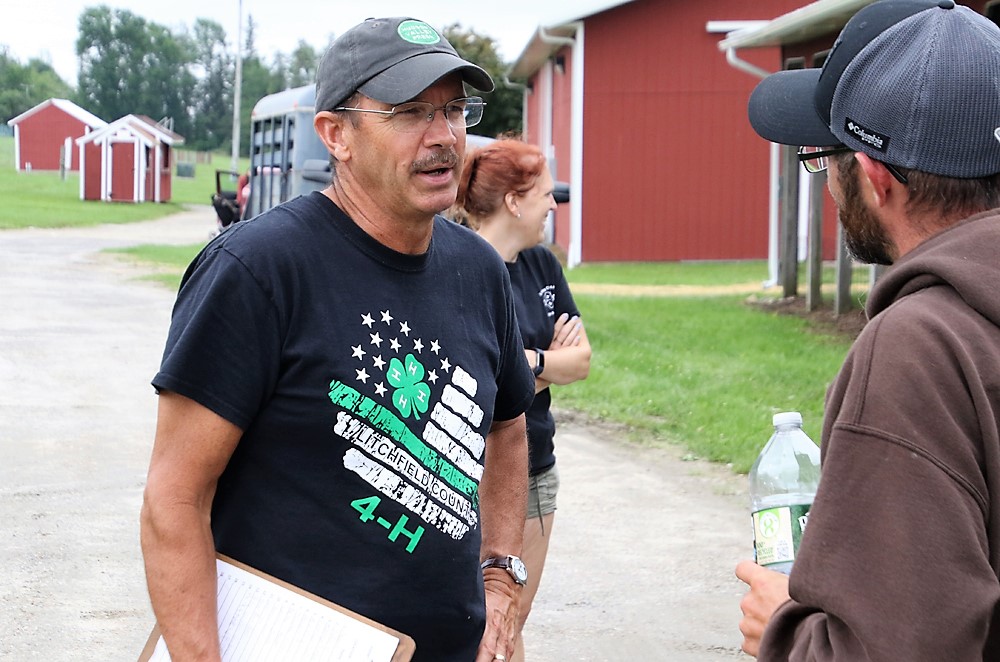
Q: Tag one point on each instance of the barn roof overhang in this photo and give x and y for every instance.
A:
(552, 34)
(540, 49)
(823, 17)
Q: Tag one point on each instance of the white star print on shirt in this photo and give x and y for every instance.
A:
(358, 352)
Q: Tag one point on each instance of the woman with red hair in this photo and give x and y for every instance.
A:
(505, 194)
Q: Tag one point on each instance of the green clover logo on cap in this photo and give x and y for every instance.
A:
(418, 32)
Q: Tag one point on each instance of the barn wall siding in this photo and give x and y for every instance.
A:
(671, 168)
(42, 136)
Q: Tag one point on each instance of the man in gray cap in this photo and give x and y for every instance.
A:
(901, 557)
(343, 388)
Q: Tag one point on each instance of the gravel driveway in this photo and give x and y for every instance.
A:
(644, 544)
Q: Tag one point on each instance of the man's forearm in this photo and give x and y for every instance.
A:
(179, 556)
(503, 491)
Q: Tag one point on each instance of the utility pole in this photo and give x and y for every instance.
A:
(238, 89)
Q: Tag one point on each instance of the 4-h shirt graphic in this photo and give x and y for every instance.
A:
(435, 475)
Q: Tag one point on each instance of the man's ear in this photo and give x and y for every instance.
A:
(880, 180)
(331, 129)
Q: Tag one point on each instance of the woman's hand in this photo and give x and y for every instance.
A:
(567, 332)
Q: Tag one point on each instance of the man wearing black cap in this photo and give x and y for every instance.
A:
(343, 387)
(901, 557)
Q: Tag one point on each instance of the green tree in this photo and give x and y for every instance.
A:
(258, 81)
(302, 67)
(23, 87)
(130, 66)
(503, 105)
(212, 103)
(169, 84)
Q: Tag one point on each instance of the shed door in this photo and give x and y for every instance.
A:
(123, 172)
(92, 172)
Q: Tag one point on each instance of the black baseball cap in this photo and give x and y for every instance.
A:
(391, 60)
(913, 83)
(793, 107)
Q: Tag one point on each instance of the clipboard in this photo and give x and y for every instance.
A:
(261, 616)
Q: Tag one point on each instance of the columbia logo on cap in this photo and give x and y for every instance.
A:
(867, 136)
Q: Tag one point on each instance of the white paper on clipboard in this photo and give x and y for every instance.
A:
(263, 619)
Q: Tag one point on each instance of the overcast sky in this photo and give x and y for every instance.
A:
(47, 29)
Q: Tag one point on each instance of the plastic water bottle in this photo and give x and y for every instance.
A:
(783, 482)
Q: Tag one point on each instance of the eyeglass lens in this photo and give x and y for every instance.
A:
(416, 115)
(814, 164)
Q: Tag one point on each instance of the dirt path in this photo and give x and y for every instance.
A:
(673, 290)
(644, 545)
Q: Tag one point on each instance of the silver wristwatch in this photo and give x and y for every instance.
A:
(513, 565)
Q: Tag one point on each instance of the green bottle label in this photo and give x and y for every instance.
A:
(777, 533)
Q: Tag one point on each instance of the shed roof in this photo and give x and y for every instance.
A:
(816, 19)
(68, 107)
(141, 126)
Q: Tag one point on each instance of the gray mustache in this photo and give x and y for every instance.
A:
(443, 159)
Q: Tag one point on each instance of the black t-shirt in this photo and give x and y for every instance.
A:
(366, 381)
(541, 295)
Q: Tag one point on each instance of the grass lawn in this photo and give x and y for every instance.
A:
(46, 200)
(165, 264)
(707, 373)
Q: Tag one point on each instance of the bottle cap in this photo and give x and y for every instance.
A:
(787, 418)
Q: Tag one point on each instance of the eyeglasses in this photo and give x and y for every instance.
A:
(415, 116)
(816, 159)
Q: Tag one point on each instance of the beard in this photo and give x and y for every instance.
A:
(865, 237)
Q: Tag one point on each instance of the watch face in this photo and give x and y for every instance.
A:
(520, 572)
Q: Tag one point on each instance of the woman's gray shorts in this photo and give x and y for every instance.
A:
(542, 489)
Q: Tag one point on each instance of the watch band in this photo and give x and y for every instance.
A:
(539, 362)
(512, 564)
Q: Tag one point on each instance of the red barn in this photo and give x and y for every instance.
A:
(639, 113)
(46, 132)
(132, 162)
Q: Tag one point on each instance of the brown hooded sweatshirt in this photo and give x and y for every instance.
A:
(901, 559)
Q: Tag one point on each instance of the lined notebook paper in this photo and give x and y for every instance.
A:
(262, 619)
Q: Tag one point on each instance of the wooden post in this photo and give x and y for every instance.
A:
(842, 300)
(788, 264)
(814, 295)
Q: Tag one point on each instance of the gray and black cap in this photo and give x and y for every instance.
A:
(391, 60)
(914, 83)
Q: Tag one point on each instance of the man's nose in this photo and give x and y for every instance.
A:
(439, 131)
